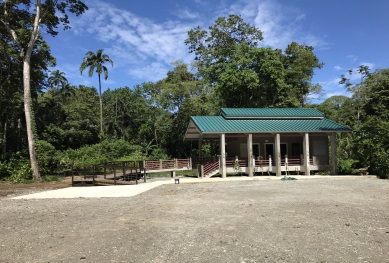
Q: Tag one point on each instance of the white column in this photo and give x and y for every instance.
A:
(307, 167)
(223, 168)
(250, 168)
(334, 154)
(278, 154)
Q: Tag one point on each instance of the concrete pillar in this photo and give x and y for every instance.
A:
(250, 168)
(278, 154)
(334, 154)
(307, 167)
(223, 168)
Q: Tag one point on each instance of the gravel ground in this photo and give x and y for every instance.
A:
(316, 220)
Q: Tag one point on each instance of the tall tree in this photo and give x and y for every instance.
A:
(242, 74)
(95, 62)
(23, 20)
(300, 63)
(57, 80)
(213, 48)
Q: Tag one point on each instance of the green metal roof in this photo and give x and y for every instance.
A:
(219, 124)
(271, 113)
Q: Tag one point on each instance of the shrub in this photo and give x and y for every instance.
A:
(380, 163)
(47, 157)
(4, 172)
(19, 169)
(347, 166)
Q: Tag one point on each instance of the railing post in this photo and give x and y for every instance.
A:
(160, 164)
(270, 164)
(175, 163)
(190, 164)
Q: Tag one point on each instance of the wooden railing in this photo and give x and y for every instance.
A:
(204, 160)
(167, 164)
(262, 162)
(210, 167)
(126, 170)
(292, 161)
(230, 162)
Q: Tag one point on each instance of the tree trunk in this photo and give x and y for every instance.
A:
(25, 53)
(29, 117)
(101, 108)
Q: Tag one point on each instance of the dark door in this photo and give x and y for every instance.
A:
(284, 149)
(297, 149)
(256, 150)
(269, 150)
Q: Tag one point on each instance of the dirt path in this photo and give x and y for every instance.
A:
(12, 189)
(318, 220)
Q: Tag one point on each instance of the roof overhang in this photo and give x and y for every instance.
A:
(211, 129)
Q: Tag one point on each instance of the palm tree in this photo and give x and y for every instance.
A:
(95, 62)
(66, 91)
(57, 80)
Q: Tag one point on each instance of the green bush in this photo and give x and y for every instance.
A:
(4, 170)
(105, 151)
(19, 169)
(159, 154)
(47, 157)
(347, 166)
(380, 163)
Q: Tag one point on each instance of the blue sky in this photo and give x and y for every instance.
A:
(144, 37)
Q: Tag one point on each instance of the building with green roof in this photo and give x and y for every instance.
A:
(268, 140)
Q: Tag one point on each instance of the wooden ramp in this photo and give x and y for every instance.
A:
(125, 172)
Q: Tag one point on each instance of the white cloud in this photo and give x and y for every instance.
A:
(352, 58)
(152, 72)
(280, 24)
(338, 68)
(135, 39)
(185, 13)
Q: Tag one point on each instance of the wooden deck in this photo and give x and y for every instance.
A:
(125, 172)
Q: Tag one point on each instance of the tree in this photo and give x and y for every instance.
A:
(126, 112)
(254, 77)
(367, 112)
(332, 107)
(300, 63)
(95, 62)
(229, 60)
(23, 20)
(174, 99)
(356, 88)
(57, 80)
(213, 48)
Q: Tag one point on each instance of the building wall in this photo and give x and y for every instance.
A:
(291, 144)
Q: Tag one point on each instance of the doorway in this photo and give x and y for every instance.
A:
(284, 149)
(269, 150)
(297, 149)
(256, 150)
